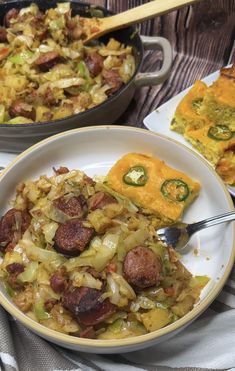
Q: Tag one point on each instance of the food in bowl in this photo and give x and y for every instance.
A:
(47, 73)
(206, 118)
(83, 259)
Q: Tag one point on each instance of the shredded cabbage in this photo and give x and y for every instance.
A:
(97, 255)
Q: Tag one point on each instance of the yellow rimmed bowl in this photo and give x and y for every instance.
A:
(94, 150)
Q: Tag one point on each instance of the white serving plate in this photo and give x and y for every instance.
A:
(95, 150)
(160, 119)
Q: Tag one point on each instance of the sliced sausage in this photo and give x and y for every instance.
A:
(77, 33)
(14, 269)
(98, 315)
(13, 224)
(141, 267)
(71, 238)
(47, 60)
(94, 63)
(100, 200)
(81, 299)
(3, 34)
(21, 108)
(84, 303)
(88, 333)
(12, 13)
(74, 206)
(59, 281)
(112, 78)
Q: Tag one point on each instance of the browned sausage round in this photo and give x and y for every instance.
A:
(47, 60)
(59, 281)
(21, 108)
(81, 299)
(74, 206)
(112, 78)
(10, 229)
(15, 268)
(3, 34)
(84, 303)
(87, 333)
(13, 13)
(100, 200)
(101, 313)
(141, 267)
(94, 63)
(77, 33)
(71, 238)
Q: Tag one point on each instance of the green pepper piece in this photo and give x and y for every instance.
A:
(39, 310)
(136, 176)
(220, 132)
(196, 103)
(175, 190)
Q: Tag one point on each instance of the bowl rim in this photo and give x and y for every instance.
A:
(71, 340)
(113, 97)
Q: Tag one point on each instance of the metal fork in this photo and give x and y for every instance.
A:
(178, 234)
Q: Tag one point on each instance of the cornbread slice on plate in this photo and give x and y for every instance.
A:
(186, 115)
(212, 141)
(226, 166)
(153, 185)
(219, 101)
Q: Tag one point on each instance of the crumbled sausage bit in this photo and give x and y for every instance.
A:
(61, 170)
(25, 299)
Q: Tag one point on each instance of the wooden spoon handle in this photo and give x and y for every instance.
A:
(143, 12)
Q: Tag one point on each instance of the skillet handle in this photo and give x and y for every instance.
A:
(154, 78)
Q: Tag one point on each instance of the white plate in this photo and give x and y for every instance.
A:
(95, 150)
(160, 119)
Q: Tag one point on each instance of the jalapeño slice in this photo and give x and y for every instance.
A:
(220, 132)
(136, 176)
(196, 103)
(175, 190)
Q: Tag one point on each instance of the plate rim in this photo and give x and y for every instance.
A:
(137, 341)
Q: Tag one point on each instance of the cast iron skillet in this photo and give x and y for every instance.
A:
(17, 137)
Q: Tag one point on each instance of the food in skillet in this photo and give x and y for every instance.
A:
(206, 118)
(46, 73)
(83, 259)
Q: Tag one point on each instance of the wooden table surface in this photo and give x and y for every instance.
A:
(202, 37)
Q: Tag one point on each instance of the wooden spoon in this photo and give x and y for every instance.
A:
(96, 27)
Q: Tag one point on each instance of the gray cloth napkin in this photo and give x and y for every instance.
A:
(207, 344)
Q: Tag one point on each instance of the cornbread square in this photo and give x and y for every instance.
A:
(211, 148)
(186, 114)
(226, 166)
(151, 195)
(219, 101)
